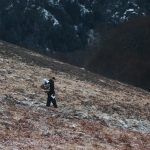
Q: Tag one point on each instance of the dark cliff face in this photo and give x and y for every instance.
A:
(45, 25)
(62, 25)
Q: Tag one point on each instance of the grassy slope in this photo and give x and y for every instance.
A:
(94, 112)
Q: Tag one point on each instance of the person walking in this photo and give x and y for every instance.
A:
(51, 93)
(50, 90)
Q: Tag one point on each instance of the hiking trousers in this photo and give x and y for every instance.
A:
(51, 99)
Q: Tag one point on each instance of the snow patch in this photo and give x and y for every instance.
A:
(130, 11)
(10, 6)
(47, 15)
(115, 15)
(76, 27)
(47, 49)
(84, 10)
(53, 2)
(92, 36)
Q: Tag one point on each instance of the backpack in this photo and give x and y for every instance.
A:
(45, 85)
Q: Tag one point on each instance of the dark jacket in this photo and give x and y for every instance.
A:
(51, 88)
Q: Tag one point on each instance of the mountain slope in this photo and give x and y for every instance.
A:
(93, 111)
(76, 30)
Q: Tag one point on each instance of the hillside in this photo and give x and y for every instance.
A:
(114, 35)
(93, 112)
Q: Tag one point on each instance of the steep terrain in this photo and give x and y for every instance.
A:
(93, 111)
(116, 31)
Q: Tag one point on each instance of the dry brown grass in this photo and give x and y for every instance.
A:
(91, 114)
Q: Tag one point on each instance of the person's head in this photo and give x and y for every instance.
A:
(53, 78)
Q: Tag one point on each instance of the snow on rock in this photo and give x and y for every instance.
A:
(54, 2)
(84, 10)
(10, 6)
(47, 15)
(92, 36)
(122, 12)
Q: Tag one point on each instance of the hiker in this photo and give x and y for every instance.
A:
(49, 89)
